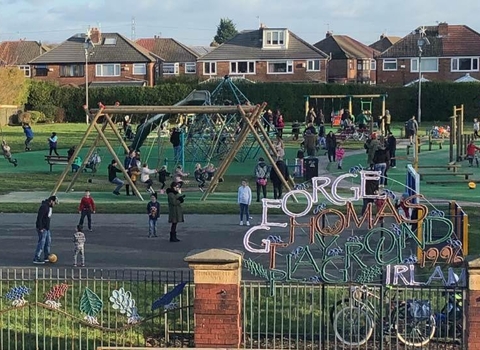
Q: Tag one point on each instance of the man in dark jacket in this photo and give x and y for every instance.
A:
(277, 180)
(113, 178)
(392, 147)
(43, 230)
(331, 142)
(176, 142)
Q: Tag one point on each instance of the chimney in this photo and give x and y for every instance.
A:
(95, 36)
(328, 34)
(382, 36)
(263, 25)
(443, 29)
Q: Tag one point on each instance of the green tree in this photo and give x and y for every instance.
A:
(225, 31)
(13, 86)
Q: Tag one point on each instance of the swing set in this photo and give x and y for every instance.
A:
(366, 103)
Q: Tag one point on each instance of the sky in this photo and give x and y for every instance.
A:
(194, 22)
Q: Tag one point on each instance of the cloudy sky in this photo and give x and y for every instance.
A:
(194, 22)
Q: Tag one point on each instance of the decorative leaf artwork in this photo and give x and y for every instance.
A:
(123, 302)
(57, 292)
(91, 305)
(16, 295)
(166, 300)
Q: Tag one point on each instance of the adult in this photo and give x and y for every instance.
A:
(175, 140)
(311, 127)
(362, 120)
(412, 129)
(310, 142)
(371, 145)
(261, 174)
(331, 143)
(267, 119)
(311, 116)
(387, 121)
(320, 119)
(381, 161)
(113, 178)
(277, 178)
(86, 209)
(27, 129)
(175, 210)
(371, 189)
(130, 162)
(280, 125)
(43, 230)
(295, 130)
(392, 148)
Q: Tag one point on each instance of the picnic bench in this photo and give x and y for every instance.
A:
(452, 165)
(56, 160)
(464, 174)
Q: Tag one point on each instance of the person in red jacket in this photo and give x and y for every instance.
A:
(280, 124)
(471, 148)
(86, 208)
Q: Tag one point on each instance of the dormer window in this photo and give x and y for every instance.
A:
(275, 39)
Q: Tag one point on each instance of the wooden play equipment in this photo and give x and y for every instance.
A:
(105, 112)
(366, 103)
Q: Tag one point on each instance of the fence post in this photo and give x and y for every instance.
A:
(473, 306)
(217, 305)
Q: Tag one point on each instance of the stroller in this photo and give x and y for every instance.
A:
(93, 162)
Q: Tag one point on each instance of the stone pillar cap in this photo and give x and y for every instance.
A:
(214, 256)
(473, 261)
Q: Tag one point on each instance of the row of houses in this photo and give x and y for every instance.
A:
(261, 55)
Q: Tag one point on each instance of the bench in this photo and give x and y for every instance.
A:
(56, 160)
(466, 175)
(448, 166)
(458, 181)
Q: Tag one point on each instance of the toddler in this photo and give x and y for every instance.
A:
(153, 211)
(244, 200)
(79, 242)
(339, 154)
(7, 153)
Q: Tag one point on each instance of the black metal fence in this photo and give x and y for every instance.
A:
(90, 308)
(320, 316)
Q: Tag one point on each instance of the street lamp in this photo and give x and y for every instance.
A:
(421, 42)
(87, 45)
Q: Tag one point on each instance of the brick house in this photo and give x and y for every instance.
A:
(112, 60)
(19, 53)
(265, 55)
(384, 43)
(178, 59)
(453, 52)
(350, 60)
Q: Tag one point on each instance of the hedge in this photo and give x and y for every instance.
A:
(437, 98)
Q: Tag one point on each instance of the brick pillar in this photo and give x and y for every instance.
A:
(473, 306)
(217, 304)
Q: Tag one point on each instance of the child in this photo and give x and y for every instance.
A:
(476, 128)
(210, 171)
(52, 143)
(145, 177)
(162, 177)
(153, 211)
(77, 163)
(86, 208)
(79, 242)
(339, 154)
(28, 135)
(178, 176)
(244, 200)
(199, 174)
(471, 148)
(8, 154)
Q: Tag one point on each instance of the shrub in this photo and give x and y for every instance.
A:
(50, 111)
(37, 117)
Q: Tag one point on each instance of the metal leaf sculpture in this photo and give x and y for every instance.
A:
(123, 302)
(166, 300)
(57, 292)
(91, 305)
(16, 295)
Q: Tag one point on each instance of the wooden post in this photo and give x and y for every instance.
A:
(453, 132)
(75, 154)
(383, 115)
(459, 142)
(120, 163)
(350, 105)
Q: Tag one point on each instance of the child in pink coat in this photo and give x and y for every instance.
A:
(339, 154)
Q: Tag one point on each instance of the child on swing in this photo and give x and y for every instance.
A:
(8, 154)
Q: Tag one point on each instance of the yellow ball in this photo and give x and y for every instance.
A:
(52, 258)
(472, 185)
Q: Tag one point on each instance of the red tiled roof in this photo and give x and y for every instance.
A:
(20, 52)
(459, 40)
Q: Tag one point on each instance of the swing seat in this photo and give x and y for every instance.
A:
(336, 120)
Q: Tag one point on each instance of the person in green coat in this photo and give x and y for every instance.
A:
(175, 211)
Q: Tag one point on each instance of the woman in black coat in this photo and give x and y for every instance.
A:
(331, 143)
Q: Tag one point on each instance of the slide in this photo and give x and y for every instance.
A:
(195, 98)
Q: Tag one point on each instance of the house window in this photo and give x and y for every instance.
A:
(363, 65)
(171, 68)
(41, 71)
(313, 66)
(275, 38)
(427, 65)
(190, 68)
(465, 64)
(110, 41)
(26, 70)
(210, 68)
(373, 65)
(139, 69)
(390, 64)
(242, 67)
(107, 70)
(72, 70)
(285, 67)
